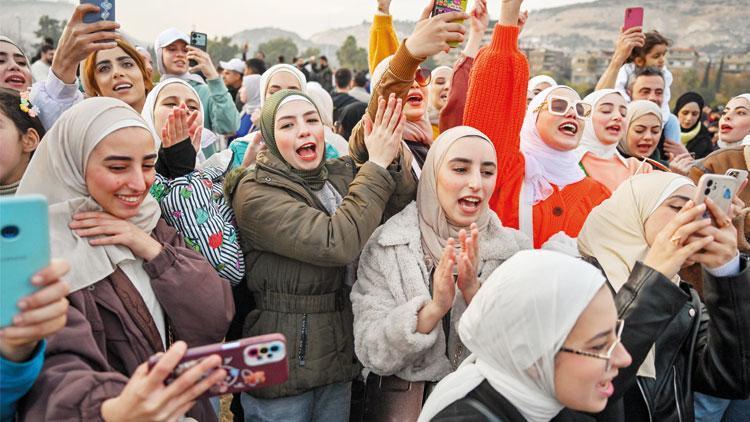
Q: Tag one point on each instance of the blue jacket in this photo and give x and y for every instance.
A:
(16, 380)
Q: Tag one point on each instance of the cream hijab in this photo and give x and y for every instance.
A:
(515, 329)
(57, 171)
(265, 78)
(433, 223)
(636, 110)
(589, 141)
(746, 139)
(614, 232)
(536, 81)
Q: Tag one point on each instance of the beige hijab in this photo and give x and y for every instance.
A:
(57, 171)
(433, 223)
(636, 110)
(614, 231)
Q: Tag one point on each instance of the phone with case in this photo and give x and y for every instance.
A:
(445, 6)
(198, 40)
(251, 363)
(24, 249)
(106, 11)
(720, 188)
(633, 17)
(739, 175)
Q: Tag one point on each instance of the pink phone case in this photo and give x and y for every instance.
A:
(633, 17)
(251, 363)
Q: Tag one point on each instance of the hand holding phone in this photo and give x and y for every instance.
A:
(721, 189)
(106, 11)
(446, 6)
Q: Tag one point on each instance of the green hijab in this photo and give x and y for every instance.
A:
(314, 178)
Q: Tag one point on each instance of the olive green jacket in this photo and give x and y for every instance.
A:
(297, 256)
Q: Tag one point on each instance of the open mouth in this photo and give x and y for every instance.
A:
(130, 200)
(415, 99)
(568, 128)
(122, 86)
(606, 388)
(308, 151)
(614, 129)
(644, 148)
(16, 80)
(726, 128)
(470, 204)
(444, 97)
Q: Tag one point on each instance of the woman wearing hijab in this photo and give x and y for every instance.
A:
(336, 146)
(249, 95)
(603, 131)
(405, 301)
(401, 74)
(643, 130)
(650, 226)
(440, 86)
(695, 136)
(135, 287)
(15, 71)
(540, 189)
(534, 350)
(303, 222)
(538, 84)
(173, 53)
(192, 199)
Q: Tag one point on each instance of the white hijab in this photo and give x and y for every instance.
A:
(515, 329)
(589, 141)
(281, 67)
(167, 37)
(536, 81)
(746, 139)
(207, 137)
(57, 171)
(545, 166)
(252, 91)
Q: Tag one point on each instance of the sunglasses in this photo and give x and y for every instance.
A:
(422, 77)
(559, 106)
(610, 351)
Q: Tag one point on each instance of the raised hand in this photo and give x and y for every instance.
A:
(443, 291)
(510, 12)
(626, 42)
(146, 397)
(433, 34)
(723, 248)
(181, 126)
(480, 19)
(383, 136)
(384, 7)
(468, 263)
(43, 313)
(80, 39)
(204, 63)
(681, 163)
(110, 230)
(676, 242)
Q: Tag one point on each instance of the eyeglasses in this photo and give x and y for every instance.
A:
(422, 77)
(559, 106)
(607, 356)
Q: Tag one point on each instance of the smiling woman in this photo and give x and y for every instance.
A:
(15, 72)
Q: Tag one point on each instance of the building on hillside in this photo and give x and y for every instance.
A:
(683, 58)
(588, 67)
(737, 63)
(546, 61)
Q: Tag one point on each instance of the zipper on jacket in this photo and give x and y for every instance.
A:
(676, 395)
(302, 342)
(645, 400)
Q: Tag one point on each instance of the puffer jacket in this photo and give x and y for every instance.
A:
(297, 255)
(393, 284)
(694, 352)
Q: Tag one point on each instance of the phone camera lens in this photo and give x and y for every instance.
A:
(707, 191)
(710, 182)
(9, 232)
(274, 348)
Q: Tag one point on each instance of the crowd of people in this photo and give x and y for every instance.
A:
(464, 243)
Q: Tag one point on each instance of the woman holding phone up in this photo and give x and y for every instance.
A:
(136, 290)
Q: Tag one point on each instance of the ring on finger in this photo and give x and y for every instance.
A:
(676, 240)
(725, 222)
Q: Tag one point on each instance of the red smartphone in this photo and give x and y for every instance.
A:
(633, 17)
(251, 363)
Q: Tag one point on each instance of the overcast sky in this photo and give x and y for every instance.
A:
(144, 19)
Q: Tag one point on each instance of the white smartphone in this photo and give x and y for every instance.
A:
(740, 175)
(720, 188)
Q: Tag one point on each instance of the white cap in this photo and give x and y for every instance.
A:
(236, 65)
(169, 36)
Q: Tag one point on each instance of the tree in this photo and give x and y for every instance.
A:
(49, 28)
(222, 49)
(310, 52)
(278, 47)
(351, 56)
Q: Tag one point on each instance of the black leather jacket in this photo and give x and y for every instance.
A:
(694, 353)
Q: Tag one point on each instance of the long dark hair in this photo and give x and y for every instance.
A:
(10, 106)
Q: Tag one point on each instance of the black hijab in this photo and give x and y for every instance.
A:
(700, 144)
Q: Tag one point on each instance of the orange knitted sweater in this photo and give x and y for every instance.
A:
(496, 105)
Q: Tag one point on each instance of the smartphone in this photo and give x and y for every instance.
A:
(720, 188)
(24, 249)
(251, 363)
(740, 175)
(106, 11)
(198, 40)
(633, 17)
(445, 6)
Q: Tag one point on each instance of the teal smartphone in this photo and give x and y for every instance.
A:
(24, 249)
